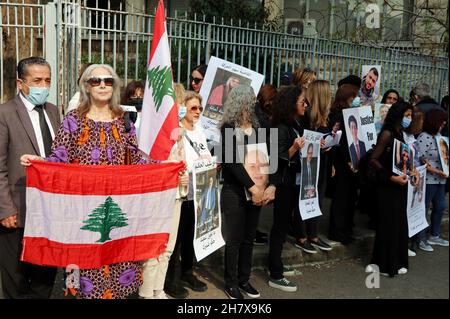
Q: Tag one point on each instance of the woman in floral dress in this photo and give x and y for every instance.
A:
(95, 134)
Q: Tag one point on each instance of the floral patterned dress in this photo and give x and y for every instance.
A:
(84, 141)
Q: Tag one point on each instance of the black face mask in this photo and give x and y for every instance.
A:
(137, 103)
(130, 116)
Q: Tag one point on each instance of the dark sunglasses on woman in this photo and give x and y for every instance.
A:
(195, 80)
(196, 108)
(96, 81)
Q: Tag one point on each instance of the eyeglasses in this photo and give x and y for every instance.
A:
(96, 81)
(195, 80)
(196, 108)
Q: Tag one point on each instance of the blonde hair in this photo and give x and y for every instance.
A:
(179, 93)
(301, 77)
(189, 95)
(85, 97)
(318, 96)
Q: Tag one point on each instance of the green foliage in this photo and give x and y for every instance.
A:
(160, 80)
(230, 9)
(105, 218)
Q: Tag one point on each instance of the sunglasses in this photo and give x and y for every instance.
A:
(195, 80)
(196, 108)
(96, 81)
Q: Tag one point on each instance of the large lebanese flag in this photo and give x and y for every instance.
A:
(159, 118)
(91, 216)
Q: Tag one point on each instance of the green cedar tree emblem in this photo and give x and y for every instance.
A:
(160, 80)
(105, 218)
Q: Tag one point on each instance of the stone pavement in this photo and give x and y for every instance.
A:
(335, 274)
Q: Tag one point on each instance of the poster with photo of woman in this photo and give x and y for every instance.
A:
(380, 113)
(442, 143)
(415, 209)
(402, 158)
(220, 79)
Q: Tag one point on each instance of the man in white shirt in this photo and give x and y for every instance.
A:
(28, 124)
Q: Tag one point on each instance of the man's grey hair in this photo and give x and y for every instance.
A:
(422, 90)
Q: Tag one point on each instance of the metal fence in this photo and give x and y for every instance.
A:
(75, 34)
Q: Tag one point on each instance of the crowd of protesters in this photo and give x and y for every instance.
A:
(29, 125)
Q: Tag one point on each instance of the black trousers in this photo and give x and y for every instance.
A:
(182, 259)
(286, 203)
(22, 280)
(343, 205)
(240, 223)
(304, 229)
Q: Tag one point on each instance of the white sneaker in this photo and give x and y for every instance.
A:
(411, 253)
(372, 268)
(402, 271)
(438, 241)
(425, 246)
(160, 294)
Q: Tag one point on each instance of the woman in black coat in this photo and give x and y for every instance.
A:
(288, 109)
(242, 194)
(390, 252)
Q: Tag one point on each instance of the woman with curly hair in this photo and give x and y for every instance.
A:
(239, 127)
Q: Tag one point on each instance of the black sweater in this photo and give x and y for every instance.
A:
(234, 173)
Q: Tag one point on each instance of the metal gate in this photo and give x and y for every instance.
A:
(68, 33)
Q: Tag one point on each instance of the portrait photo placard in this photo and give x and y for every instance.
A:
(208, 222)
(380, 113)
(442, 144)
(220, 78)
(309, 177)
(402, 158)
(415, 211)
(370, 86)
(361, 134)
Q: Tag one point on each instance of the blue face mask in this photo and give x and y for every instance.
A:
(181, 112)
(356, 102)
(37, 95)
(406, 122)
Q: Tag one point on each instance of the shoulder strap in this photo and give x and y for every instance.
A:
(126, 118)
(192, 144)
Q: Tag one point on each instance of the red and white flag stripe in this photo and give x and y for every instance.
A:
(159, 122)
(61, 199)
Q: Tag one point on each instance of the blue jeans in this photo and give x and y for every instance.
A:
(434, 193)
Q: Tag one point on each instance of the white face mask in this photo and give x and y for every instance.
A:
(181, 112)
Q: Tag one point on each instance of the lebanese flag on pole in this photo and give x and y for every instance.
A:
(91, 216)
(159, 118)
